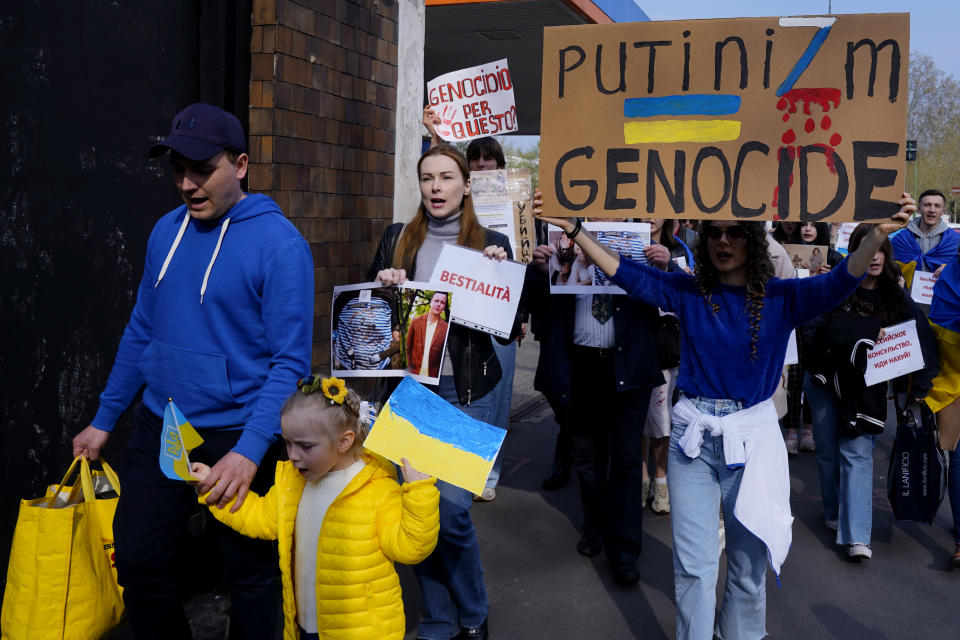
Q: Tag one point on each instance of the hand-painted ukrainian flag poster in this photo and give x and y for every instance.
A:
(799, 118)
(177, 440)
(436, 437)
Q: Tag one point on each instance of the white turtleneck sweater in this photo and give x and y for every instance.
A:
(316, 498)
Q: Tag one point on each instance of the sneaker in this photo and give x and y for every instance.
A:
(806, 441)
(793, 446)
(859, 551)
(661, 498)
(489, 494)
(645, 492)
(832, 524)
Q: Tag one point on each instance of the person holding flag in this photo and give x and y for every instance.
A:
(222, 325)
(928, 242)
(944, 398)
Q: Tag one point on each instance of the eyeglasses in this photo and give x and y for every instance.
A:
(735, 233)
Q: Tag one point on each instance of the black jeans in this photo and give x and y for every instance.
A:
(606, 428)
(150, 522)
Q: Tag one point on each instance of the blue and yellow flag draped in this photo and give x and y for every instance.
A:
(177, 439)
(945, 319)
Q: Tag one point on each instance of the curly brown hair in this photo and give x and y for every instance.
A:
(759, 271)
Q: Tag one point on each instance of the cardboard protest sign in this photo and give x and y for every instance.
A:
(389, 332)
(502, 200)
(921, 289)
(475, 102)
(571, 271)
(755, 118)
(488, 291)
(436, 437)
(896, 355)
(177, 440)
(807, 256)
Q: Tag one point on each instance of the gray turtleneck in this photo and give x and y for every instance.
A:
(439, 232)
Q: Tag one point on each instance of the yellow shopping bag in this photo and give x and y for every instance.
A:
(61, 580)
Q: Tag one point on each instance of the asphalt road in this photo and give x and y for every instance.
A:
(539, 587)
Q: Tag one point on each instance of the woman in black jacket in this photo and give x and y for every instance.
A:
(451, 579)
(846, 414)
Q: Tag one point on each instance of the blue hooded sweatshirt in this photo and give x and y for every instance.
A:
(222, 325)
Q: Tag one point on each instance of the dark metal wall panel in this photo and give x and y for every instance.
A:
(87, 86)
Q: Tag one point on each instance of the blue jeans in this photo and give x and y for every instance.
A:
(502, 397)
(845, 466)
(699, 487)
(451, 579)
(953, 490)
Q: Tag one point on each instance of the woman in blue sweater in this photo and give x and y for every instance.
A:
(725, 446)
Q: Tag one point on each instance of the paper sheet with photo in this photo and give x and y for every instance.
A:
(378, 331)
(502, 199)
(807, 256)
(571, 271)
(843, 236)
(487, 291)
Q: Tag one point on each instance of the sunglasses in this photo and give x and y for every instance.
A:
(735, 233)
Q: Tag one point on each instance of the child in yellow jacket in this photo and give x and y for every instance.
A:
(341, 520)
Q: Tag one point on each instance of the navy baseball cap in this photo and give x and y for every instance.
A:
(202, 131)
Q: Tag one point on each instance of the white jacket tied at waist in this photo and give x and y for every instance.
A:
(751, 439)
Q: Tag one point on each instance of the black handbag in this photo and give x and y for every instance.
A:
(667, 341)
(917, 476)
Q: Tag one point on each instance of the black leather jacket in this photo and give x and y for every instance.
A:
(476, 369)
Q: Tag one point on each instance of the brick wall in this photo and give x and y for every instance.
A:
(322, 99)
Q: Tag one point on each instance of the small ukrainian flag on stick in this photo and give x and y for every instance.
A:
(177, 440)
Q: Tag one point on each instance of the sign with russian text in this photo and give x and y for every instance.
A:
(487, 290)
(753, 118)
(921, 289)
(475, 102)
(502, 200)
(897, 354)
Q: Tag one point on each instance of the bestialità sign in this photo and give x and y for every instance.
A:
(764, 118)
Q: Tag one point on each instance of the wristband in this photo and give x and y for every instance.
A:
(576, 230)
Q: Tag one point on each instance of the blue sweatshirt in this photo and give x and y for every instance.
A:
(715, 350)
(224, 328)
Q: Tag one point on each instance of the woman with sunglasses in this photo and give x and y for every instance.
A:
(725, 446)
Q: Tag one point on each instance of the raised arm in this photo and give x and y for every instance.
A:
(606, 259)
(860, 259)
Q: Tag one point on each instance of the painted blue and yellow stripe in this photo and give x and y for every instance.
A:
(644, 130)
(436, 437)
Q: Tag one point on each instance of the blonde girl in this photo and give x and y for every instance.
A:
(341, 519)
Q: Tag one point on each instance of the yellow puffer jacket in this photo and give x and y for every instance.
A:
(373, 523)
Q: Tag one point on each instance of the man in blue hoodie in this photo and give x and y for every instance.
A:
(223, 326)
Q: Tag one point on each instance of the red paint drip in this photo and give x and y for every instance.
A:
(790, 183)
(825, 123)
(830, 154)
(786, 117)
(822, 97)
(776, 195)
(835, 139)
(782, 104)
(776, 216)
(809, 125)
(788, 137)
